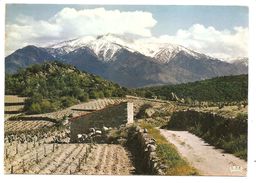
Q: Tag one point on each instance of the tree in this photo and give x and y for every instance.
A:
(84, 97)
(149, 94)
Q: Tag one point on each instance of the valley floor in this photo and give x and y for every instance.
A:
(205, 158)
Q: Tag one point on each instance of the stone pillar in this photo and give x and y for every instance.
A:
(129, 112)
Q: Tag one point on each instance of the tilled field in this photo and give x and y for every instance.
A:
(16, 126)
(99, 159)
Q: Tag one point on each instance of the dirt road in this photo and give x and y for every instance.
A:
(205, 158)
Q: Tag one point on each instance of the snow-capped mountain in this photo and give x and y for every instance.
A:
(106, 46)
(128, 62)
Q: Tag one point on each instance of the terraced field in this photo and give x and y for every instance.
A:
(76, 110)
(100, 159)
(14, 99)
(18, 126)
(83, 108)
(13, 105)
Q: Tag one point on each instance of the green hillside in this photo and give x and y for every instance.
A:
(220, 89)
(53, 85)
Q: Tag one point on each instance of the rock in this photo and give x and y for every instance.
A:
(159, 171)
(149, 112)
(151, 148)
(98, 132)
(152, 141)
(174, 97)
(92, 130)
(137, 129)
(145, 130)
(105, 128)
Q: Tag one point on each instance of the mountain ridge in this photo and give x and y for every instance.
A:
(113, 58)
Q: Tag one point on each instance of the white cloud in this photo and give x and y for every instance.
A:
(208, 40)
(70, 23)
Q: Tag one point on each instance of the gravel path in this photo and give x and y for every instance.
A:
(205, 158)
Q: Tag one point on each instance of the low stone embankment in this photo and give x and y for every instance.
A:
(143, 148)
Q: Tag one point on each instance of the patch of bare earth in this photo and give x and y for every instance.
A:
(205, 158)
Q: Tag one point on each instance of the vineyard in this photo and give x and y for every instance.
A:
(67, 159)
(16, 126)
(12, 126)
(41, 147)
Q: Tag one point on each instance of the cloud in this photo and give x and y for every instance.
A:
(208, 40)
(70, 23)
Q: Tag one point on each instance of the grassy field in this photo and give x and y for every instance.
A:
(169, 155)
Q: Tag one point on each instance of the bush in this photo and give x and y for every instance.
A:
(84, 97)
(68, 101)
(35, 108)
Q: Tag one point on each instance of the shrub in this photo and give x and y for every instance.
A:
(84, 97)
(35, 108)
(68, 101)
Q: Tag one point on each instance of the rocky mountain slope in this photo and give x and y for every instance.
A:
(128, 62)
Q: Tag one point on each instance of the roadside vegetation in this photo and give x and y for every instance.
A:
(53, 85)
(168, 154)
(229, 134)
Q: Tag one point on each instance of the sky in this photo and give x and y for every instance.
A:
(219, 31)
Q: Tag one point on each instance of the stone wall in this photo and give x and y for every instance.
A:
(143, 148)
(208, 122)
(112, 116)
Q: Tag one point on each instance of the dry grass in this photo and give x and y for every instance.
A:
(13, 99)
(226, 111)
(13, 108)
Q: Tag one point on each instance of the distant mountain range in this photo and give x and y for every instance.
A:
(127, 62)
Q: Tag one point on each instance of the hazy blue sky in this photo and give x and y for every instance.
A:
(220, 31)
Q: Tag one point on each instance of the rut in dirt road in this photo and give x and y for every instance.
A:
(205, 158)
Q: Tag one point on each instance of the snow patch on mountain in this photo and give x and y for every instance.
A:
(106, 47)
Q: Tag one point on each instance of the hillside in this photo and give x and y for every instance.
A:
(220, 89)
(126, 62)
(54, 85)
